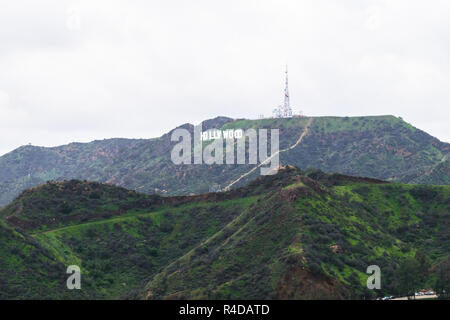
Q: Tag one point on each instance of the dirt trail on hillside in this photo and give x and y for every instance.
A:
(304, 133)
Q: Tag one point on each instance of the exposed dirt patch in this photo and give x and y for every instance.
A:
(300, 283)
(293, 194)
(16, 222)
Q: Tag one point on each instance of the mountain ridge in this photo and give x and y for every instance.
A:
(382, 147)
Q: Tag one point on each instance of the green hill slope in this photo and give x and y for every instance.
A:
(295, 235)
(118, 238)
(57, 204)
(313, 238)
(438, 174)
(29, 271)
(383, 147)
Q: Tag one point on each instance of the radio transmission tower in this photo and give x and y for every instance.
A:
(285, 110)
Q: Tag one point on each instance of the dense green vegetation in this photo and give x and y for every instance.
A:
(116, 249)
(73, 202)
(295, 235)
(29, 271)
(315, 238)
(383, 147)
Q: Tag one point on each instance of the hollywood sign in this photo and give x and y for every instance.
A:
(222, 134)
(227, 147)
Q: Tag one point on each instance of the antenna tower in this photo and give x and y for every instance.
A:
(285, 110)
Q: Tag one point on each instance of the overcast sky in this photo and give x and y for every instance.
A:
(86, 70)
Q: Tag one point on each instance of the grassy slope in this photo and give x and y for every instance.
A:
(120, 253)
(271, 239)
(437, 173)
(379, 147)
(116, 249)
(383, 147)
(57, 204)
(281, 247)
(29, 271)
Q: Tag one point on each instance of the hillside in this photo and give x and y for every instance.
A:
(313, 238)
(438, 174)
(382, 147)
(72, 202)
(295, 235)
(118, 237)
(28, 270)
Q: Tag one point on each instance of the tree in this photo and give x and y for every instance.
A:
(442, 282)
(408, 277)
(424, 265)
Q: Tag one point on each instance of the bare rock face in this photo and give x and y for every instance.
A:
(336, 249)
